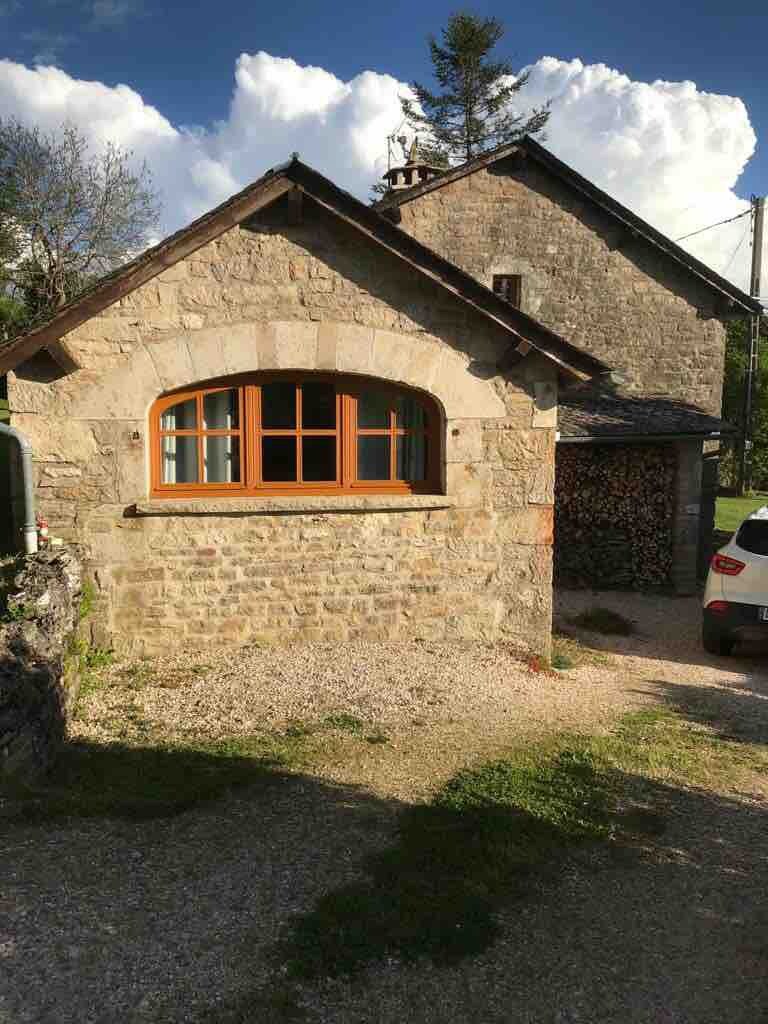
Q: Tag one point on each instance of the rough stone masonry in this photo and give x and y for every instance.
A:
(582, 275)
(474, 561)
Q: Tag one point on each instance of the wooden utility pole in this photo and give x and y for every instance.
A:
(745, 461)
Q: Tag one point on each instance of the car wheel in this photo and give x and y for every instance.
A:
(717, 642)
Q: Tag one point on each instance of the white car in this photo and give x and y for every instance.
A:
(736, 595)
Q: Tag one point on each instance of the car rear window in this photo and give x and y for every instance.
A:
(753, 536)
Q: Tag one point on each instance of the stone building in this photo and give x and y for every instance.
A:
(292, 420)
(533, 230)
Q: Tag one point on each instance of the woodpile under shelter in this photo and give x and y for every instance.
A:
(634, 493)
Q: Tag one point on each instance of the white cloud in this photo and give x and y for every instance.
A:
(108, 13)
(667, 150)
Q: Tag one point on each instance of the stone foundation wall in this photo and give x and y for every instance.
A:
(380, 575)
(38, 681)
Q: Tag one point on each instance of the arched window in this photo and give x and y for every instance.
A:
(282, 433)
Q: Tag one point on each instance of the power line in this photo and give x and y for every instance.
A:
(724, 271)
(710, 226)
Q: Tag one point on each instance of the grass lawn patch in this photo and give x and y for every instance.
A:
(603, 620)
(729, 512)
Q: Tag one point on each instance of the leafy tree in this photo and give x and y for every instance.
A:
(67, 215)
(473, 111)
(736, 347)
(13, 317)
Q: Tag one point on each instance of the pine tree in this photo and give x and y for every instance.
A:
(473, 112)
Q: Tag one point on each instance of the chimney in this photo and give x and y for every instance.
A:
(412, 172)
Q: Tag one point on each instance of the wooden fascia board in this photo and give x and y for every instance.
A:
(95, 302)
(522, 344)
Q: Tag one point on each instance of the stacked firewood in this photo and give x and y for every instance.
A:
(614, 515)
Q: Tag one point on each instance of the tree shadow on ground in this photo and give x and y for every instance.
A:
(242, 909)
(666, 922)
(736, 713)
(116, 906)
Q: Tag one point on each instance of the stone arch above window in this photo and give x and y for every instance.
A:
(410, 359)
(287, 432)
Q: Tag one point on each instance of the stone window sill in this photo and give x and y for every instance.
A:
(308, 504)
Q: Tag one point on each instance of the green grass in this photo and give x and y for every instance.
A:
(346, 723)
(568, 652)
(603, 620)
(488, 832)
(729, 512)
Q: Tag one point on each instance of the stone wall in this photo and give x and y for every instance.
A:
(473, 561)
(39, 602)
(582, 275)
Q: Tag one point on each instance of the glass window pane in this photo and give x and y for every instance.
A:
(278, 406)
(221, 456)
(373, 409)
(411, 457)
(182, 416)
(318, 406)
(220, 411)
(278, 458)
(410, 413)
(318, 455)
(373, 458)
(179, 457)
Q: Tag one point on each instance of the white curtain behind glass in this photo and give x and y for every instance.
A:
(179, 453)
(217, 451)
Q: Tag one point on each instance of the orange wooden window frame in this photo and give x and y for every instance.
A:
(250, 433)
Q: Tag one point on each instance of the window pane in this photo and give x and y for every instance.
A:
(410, 413)
(373, 409)
(179, 456)
(318, 458)
(373, 458)
(278, 458)
(753, 536)
(182, 416)
(278, 407)
(220, 410)
(221, 460)
(318, 406)
(411, 457)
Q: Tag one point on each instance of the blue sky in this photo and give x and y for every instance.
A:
(179, 55)
(180, 58)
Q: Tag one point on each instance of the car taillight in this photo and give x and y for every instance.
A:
(726, 565)
(717, 607)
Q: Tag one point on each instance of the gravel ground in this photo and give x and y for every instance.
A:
(441, 706)
(167, 921)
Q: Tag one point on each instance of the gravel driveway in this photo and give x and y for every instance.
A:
(167, 921)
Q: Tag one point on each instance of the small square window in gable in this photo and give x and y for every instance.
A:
(509, 287)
